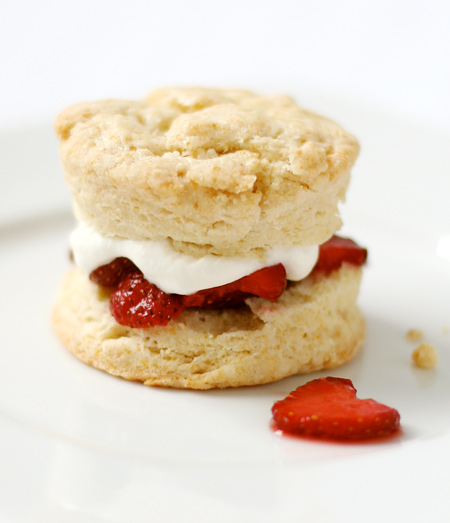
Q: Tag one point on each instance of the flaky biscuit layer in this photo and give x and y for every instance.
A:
(215, 171)
(315, 325)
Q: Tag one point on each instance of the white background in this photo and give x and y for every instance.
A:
(388, 53)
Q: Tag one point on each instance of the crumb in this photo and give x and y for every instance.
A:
(425, 356)
(445, 329)
(414, 335)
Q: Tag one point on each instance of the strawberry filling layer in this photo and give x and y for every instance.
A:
(137, 303)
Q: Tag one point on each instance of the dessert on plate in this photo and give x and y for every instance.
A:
(205, 254)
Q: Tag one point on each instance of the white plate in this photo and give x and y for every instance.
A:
(80, 445)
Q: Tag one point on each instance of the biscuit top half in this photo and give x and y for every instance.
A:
(226, 172)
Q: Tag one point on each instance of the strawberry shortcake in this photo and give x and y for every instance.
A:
(205, 253)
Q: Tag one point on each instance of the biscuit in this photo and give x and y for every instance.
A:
(223, 172)
(314, 325)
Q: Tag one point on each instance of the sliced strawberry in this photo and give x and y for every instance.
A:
(139, 304)
(329, 408)
(336, 251)
(268, 283)
(111, 274)
(215, 299)
(144, 307)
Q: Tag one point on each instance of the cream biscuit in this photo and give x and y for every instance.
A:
(314, 325)
(216, 171)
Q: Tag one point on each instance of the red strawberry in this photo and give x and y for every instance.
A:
(268, 283)
(215, 298)
(329, 408)
(336, 251)
(139, 304)
(111, 274)
(146, 306)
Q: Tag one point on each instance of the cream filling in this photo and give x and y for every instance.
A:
(178, 273)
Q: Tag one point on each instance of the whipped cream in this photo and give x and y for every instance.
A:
(178, 273)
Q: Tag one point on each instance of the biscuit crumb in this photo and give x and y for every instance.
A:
(425, 356)
(414, 335)
(445, 329)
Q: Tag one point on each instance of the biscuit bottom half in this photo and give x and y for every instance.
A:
(314, 325)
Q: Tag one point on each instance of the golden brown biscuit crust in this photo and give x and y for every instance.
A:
(315, 325)
(216, 171)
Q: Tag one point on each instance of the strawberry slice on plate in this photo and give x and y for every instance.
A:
(329, 408)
